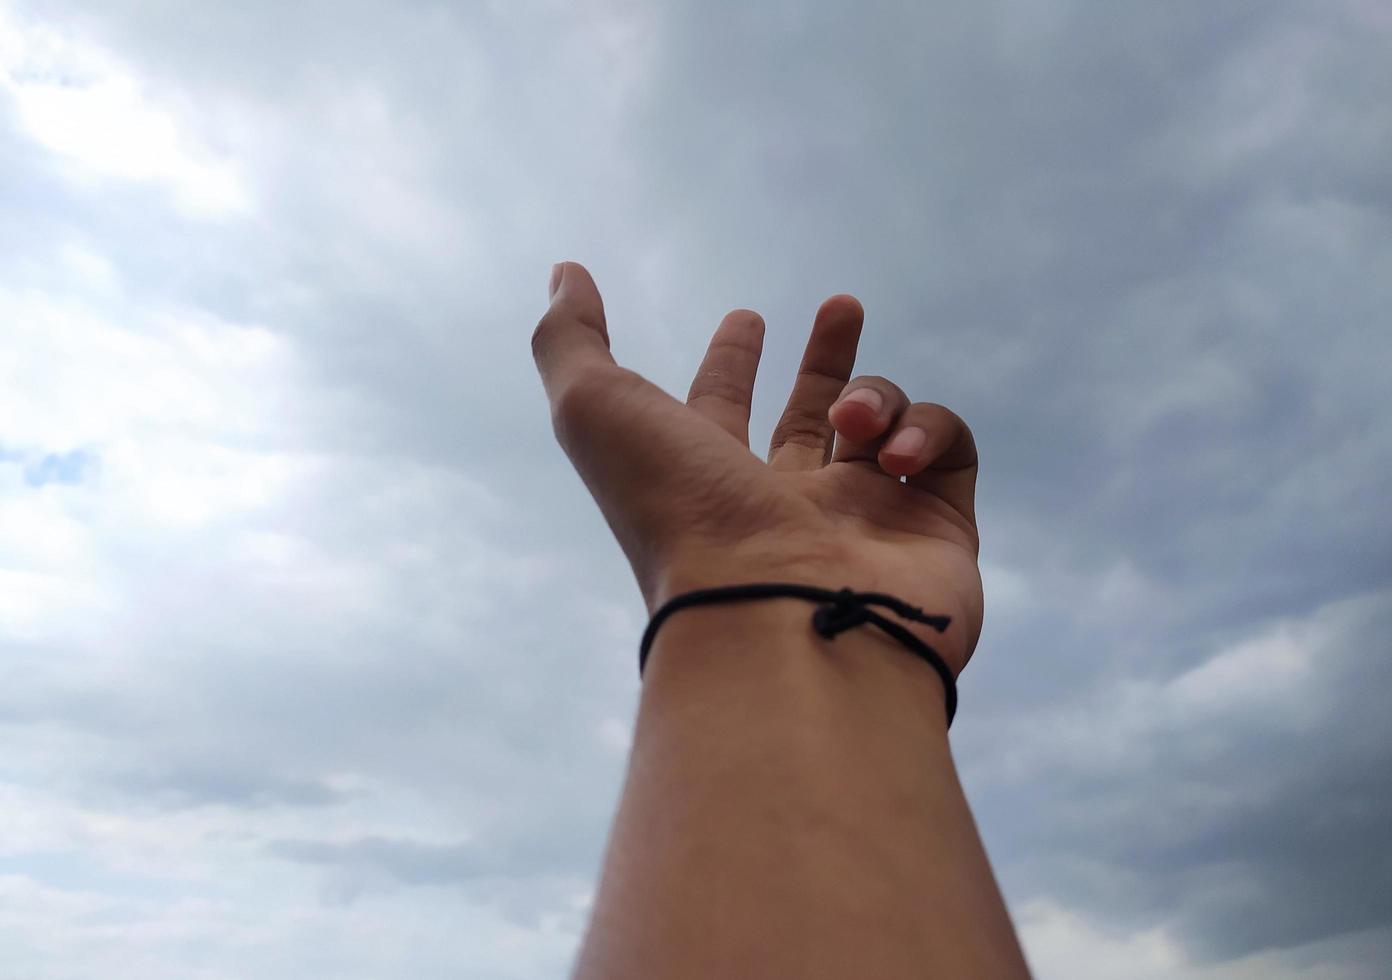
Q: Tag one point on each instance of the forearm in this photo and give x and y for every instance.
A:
(792, 810)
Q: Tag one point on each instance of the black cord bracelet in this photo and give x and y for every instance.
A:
(844, 610)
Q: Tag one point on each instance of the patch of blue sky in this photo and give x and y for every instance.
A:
(72, 467)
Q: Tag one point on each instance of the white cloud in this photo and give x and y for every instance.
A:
(1063, 945)
(76, 375)
(81, 104)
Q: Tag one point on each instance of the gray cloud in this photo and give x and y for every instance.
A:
(1142, 251)
(524, 886)
(1220, 805)
(205, 785)
(408, 861)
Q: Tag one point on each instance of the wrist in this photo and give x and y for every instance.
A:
(832, 571)
(769, 645)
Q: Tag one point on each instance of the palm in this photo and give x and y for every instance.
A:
(753, 522)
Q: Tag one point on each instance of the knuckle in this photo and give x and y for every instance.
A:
(800, 430)
(962, 452)
(579, 398)
(894, 395)
(550, 323)
(932, 411)
(966, 435)
(718, 386)
(556, 321)
(871, 380)
(590, 320)
(735, 350)
(799, 418)
(817, 379)
(591, 391)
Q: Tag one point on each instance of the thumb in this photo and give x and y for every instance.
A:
(572, 337)
(631, 443)
(592, 407)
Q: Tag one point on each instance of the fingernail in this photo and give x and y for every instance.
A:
(557, 274)
(868, 397)
(906, 442)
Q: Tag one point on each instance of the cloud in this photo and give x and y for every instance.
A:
(309, 632)
(75, 101)
(201, 786)
(1063, 944)
(1215, 804)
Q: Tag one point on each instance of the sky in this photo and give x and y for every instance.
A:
(316, 658)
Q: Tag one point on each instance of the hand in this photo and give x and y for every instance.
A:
(692, 507)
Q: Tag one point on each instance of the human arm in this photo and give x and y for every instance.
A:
(792, 810)
(791, 807)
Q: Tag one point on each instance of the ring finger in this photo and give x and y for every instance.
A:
(864, 413)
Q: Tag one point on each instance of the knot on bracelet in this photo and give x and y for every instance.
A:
(845, 611)
(848, 609)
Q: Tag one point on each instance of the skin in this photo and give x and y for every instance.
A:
(791, 807)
